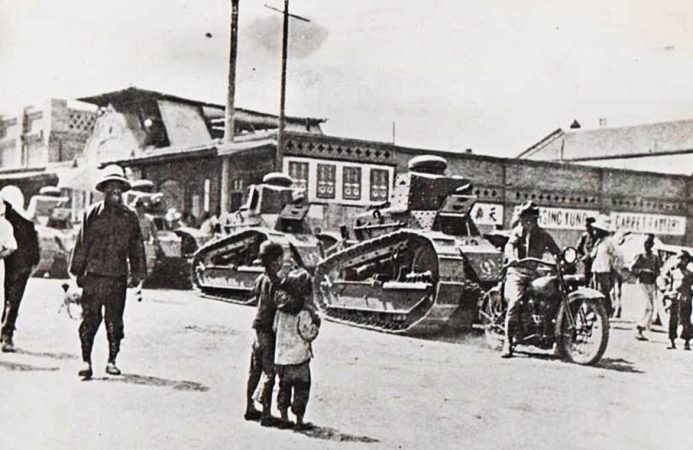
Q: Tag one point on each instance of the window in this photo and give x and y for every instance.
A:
(299, 172)
(380, 185)
(326, 181)
(351, 183)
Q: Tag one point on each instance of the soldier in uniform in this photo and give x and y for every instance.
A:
(678, 281)
(109, 237)
(527, 240)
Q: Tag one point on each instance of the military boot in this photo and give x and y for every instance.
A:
(7, 344)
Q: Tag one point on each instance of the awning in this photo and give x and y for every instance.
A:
(234, 148)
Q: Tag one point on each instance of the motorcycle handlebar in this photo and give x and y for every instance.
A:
(520, 262)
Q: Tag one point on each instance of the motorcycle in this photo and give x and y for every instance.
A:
(557, 310)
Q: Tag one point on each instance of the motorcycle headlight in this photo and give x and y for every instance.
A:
(570, 255)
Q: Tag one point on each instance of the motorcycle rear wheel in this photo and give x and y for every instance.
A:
(586, 343)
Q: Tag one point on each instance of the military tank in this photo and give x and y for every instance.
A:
(418, 265)
(169, 251)
(226, 268)
(50, 210)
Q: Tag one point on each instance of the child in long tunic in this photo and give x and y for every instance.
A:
(293, 349)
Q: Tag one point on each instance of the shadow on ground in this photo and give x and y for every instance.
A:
(330, 434)
(619, 365)
(19, 367)
(59, 356)
(144, 380)
(212, 330)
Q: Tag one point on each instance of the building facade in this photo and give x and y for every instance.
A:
(176, 143)
(39, 140)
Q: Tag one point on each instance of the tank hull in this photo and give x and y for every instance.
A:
(409, 282)
(226, 268)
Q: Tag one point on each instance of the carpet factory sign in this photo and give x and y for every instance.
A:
(649, 223)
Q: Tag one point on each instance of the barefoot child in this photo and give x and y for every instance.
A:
(296, 325)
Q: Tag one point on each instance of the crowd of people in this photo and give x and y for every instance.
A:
(604, 271)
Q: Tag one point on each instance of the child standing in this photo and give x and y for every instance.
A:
(262, 359)
(678, 281)
(296, 326)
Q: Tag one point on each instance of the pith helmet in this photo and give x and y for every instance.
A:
(13, 195)
(113, 173)
(603, 223)
(528, 209)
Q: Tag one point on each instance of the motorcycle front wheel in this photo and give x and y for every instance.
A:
(493, 319)
(585, 340)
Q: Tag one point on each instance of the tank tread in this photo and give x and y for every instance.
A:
(216, 294)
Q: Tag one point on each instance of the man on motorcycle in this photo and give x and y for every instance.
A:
(527, 240)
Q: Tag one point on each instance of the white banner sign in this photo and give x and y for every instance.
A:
(563, 218)
(487, 214)
(649, 223)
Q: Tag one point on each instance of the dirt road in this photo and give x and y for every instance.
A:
(185, 362)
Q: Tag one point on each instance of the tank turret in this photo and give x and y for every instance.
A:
(274, 204)
(424, 198)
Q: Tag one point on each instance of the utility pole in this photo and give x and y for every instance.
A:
(229, 123)
(282, 96)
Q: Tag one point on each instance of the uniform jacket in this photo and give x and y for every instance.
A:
(679, 282)
(604, 256)
(522, 244)
(27, 254)
(109, 238)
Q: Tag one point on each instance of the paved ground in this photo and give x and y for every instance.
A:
(185, 361)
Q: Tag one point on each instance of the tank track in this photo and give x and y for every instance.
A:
(224, 296)
(419, 321)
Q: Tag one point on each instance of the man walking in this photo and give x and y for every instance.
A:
(110, 236)
(679, 281)
(646, 267)
(19, 265)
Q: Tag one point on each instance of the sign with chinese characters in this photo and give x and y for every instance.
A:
(487, 214)
(563, 218)
(649, 223)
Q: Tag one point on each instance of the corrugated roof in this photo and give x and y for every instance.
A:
(663, 137)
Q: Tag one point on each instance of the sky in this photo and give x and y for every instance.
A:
(494, 76)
